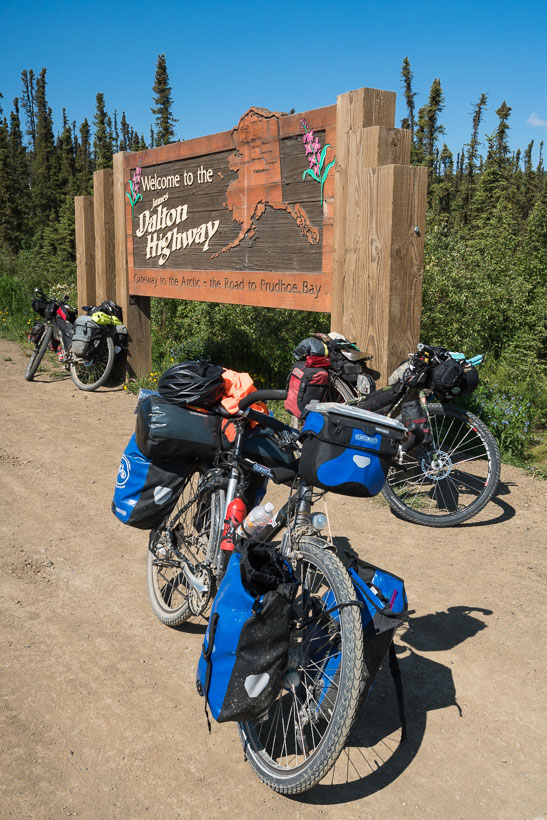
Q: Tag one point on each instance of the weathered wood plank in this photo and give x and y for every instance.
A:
(105, 264)
(85, 250)
(381, 302)
(136, 310)
(407, 253)
(385, 146)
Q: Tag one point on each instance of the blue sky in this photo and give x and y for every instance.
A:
(223, 57)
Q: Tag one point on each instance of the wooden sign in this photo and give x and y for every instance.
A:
(243, 216)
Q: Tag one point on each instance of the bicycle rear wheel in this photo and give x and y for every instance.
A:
(89, 374)
(196, 529)
(294, 746)
(340, 391)
(449, 480)
(38, 354)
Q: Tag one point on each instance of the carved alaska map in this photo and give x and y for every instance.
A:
(258, 184)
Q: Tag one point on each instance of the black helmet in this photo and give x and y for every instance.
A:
(111, 309)
(198, 383)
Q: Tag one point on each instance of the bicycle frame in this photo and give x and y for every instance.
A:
(299, 503)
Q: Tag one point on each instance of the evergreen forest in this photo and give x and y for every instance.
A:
(485, 266)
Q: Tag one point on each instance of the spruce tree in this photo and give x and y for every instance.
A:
(5, 217)
(125, 134)
(18, 192)
(529, 182)
(495, 179)
(28, 103)
(433, 130)
(102, 143)
(469, 179)
(443, 186)
(44, 175)
(164, 132)
(67, 171)
(410, 95)
(428, 131)
(115, 134)
(84, 161)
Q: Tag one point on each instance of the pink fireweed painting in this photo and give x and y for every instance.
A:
(316, 157)
(134, 185)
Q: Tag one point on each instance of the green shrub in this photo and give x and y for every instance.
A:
(19, 275)
(240, 337)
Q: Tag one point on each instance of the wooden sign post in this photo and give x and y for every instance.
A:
(379, 208)
(317, 211)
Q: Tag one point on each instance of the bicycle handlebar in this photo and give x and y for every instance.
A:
(262, 395)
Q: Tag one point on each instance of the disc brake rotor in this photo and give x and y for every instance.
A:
(437, 465)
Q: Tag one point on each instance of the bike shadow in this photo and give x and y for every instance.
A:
(439, 631)
(374, 756)
(504, 513)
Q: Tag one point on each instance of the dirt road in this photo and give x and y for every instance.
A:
(100, 716)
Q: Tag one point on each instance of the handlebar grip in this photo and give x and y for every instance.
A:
(262, 395)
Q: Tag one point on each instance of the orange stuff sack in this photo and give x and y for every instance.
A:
(236, 387)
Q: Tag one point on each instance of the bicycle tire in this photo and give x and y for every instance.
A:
(196, 535)
(38, 354)
(307, 726)
(431, 486)
(89, 374)
(340, 391)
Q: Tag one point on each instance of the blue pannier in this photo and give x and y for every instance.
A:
(146, 494)
(246, 646)
(384, 607)
(348, 450)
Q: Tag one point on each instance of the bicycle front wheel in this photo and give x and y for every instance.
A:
(449, 480)
(38, 354)
(195, 528)
(89, 374)
(299, 740)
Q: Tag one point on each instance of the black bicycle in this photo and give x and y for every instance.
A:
(89, 360)
(296, 743)
(54, 332)
(449, 467)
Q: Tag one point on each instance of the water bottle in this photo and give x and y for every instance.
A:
(235, 514)
(256, 520)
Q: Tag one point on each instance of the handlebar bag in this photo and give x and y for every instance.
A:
(246, 646)
(39, 305)
(86, 336)
(348, 450)
(146, 494)
(167, 433)
(306, 384)
(453, 378)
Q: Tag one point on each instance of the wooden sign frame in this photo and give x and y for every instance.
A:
(371, 240)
